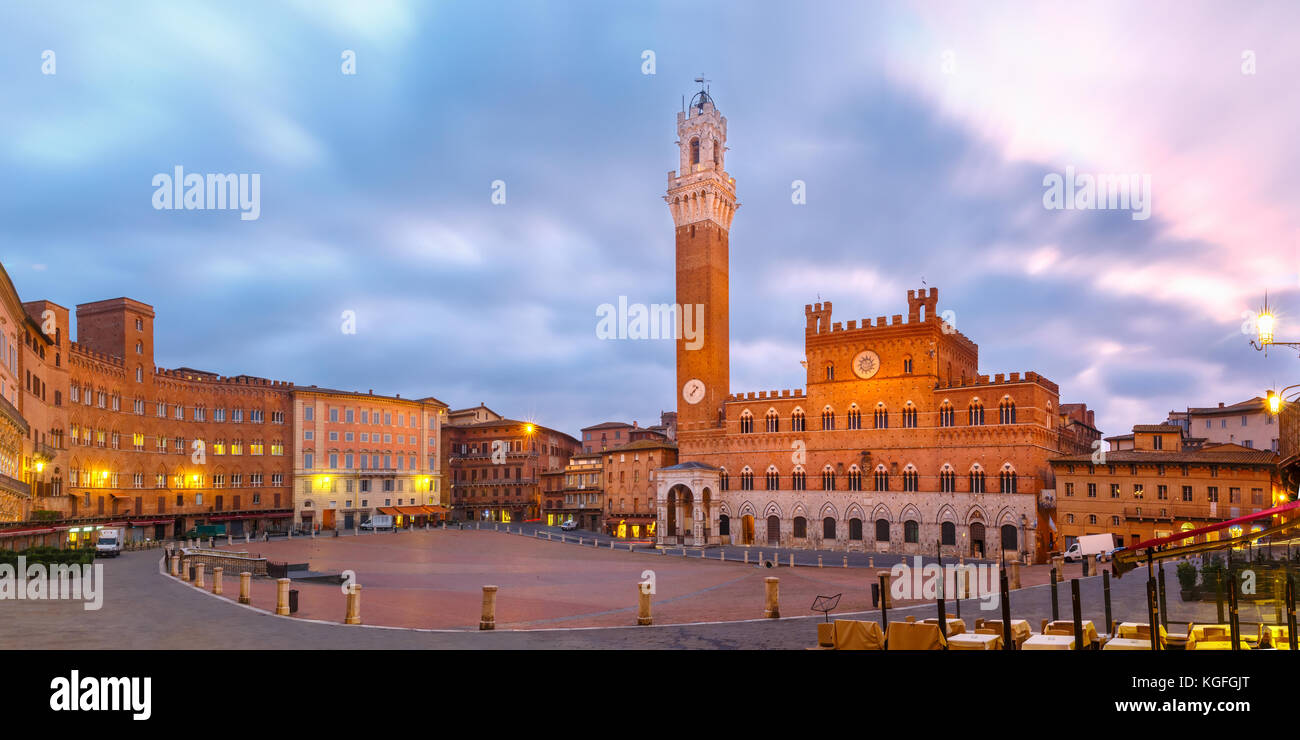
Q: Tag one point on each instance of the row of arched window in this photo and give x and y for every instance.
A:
(880, 417)
(883, 527)
(882, 479)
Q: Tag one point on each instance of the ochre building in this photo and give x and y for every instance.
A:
(1162, 485)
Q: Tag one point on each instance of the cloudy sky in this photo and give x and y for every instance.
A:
(923, 133)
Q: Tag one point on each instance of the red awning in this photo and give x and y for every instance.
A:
(412, 510)
(278, 515)
(148, 523)
(390, 510)
(24, 532)
(1216, 527)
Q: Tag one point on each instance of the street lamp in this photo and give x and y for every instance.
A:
(1265, 325)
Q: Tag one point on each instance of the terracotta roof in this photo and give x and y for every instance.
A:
(644, 444)
(608, 425)
(1220, 454)
(1253, 404)
(1169, 428)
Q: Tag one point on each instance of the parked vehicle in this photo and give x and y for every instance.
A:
(569, 525)
(378, 521)
(109, 543)
(1090, 544)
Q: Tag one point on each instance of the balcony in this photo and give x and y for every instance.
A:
(9, 413)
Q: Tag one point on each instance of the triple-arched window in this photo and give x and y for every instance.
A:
(882, 416)
(946, 415)
(854, 417)
(976, 413)
(1007, 411)
(828, 418)
(772, 421)
(882, 478)
(746, 422)
(797, 421)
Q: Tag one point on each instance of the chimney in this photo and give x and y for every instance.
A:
(1220, 404)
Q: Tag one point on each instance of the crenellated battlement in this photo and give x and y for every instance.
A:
(1002, 379)
(922, 309)
(768, 395)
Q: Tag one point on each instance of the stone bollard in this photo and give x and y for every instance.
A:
(211, 542)
(579, 540)
(871, 561)
(185, 571)
(611, 544)
(489, 618)
(772, 606)
(1013, 575)
(282, 596)
(722, 556)
(819, 561)
(1091, 567)
(245, 587)
(353, 603)
(643, 615)
(1058, 562)
(176, 564)
(248, 538)
(846, 561)
(883, 578)
(313, 533)
(791, 560)
(198, 575)
(747, 557)
(229, 540)
(216, 580)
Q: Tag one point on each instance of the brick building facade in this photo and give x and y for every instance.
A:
(1161, 485)
(494, 467)
(898, 443)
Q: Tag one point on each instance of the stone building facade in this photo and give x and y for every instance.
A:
(898, 444)
(361, 454)
(630, 493)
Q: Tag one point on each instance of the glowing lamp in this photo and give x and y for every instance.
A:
(528, 429)
(1265, 324)
(1274, 403)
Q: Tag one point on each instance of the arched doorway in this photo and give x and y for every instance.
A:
(977, 539)
(688, 514)
(774, 530)
(671, 525)
(1010, 542)
(828, 528)
(747, 530)
(724, 525)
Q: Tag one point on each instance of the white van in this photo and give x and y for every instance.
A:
(379, 521)
(109, 543)
(1090, 545)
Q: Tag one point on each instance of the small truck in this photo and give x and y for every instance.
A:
(109, 543)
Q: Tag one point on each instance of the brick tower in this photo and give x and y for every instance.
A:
(702, 199)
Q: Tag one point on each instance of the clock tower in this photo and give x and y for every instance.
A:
(702, 199)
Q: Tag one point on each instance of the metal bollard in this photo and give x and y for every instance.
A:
(245, 587)
(282, 597)
(772, 606)
(353, 603)
(489, 618)
(643, 615)
(216, 580)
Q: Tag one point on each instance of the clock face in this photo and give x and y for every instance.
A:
(693, 391)
(866, 364)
